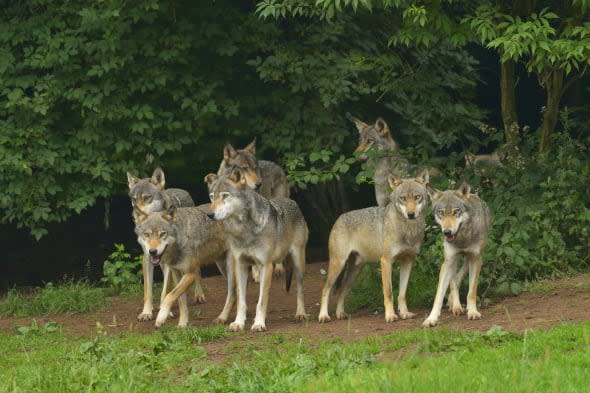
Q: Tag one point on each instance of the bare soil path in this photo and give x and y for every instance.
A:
(552, 303)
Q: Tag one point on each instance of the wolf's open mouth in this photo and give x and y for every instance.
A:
(155, 259)
(453, 237)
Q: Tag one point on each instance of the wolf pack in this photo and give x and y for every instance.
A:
(251, 227)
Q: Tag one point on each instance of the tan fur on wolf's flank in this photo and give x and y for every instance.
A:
(260, 231)
(378, 234)
(465, 221)
(150, 195)
(184, 240)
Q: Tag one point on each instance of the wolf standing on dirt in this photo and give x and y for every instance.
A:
(383, 234)
(184, 239)
(266, 177)
(147, 196)
(388, 160)
(465, 221)
(260, 231)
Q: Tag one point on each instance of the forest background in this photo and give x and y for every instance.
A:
(91, 89)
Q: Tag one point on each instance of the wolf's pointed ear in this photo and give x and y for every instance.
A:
(138, 215)
(229, 153)
(360, 125)
(433, 193)
(394, 182)
(131, 180)
(158, 178)
(464, 190)
(237, 177)
(210, 179)
(381, 127)
(170, 214)
(424, 176)
(251, 147)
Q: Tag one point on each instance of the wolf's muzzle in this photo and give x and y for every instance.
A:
(411, 215)
(211, 215)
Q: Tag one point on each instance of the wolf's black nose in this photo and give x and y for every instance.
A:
(447, 232)
(211, 215)
(411, 215)
(258, 185)
(153, 251)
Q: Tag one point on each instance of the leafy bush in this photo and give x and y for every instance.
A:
(120, 270)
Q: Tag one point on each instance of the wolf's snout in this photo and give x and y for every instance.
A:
(447, 232)
(153, 251)
(411, 215)
(258, 185)
(211, 215)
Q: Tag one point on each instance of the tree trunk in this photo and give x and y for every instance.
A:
(508, 102)
(553, 84)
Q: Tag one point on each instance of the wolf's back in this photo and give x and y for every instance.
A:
(179, 197)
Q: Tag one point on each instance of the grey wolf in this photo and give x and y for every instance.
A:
(465, 221)
(387, 161)
(184, 239)
(385, 234)
(266, 177)
(260, 231)
(483, 163)
(149, 195)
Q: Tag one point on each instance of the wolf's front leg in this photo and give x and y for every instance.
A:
(475, 263)
(241, 286)
(265, 282)
(148, 281)
(387, 291)
(404, 275)
(447, 270)
(178, 293)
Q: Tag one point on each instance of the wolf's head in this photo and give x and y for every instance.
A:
(245, 160)
(156, 232)
(375, 136)
(450, 209)
(409, 196)
(226, 193)
(147, 194)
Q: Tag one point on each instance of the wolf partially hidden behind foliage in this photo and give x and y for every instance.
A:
(266, 177)
(384, 234)
(149, 195)
(260, 231)
(184, 240)
(465, 221)
(483, 164)
(387, 160)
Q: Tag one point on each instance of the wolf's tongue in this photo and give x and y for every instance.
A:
(155, 259)
(450, 238)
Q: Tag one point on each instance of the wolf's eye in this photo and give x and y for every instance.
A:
(418, 197)
(147, 198)
(146, 234)
(440, 212)
(402, 198)
(225, 195)
(163, 234)
(456, 212)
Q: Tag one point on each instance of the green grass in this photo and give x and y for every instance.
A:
(175, 360)
(69, 297)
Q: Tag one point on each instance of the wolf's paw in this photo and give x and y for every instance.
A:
(430, 322)
(199, 298)
(472, 315)
(324, 318)
(236, 327)
(144, 316)
(457, 309)
(406, 315)
(300, 317)
(219, 321)
(278, 270)
(258, 327)
(183, 325)
(341, 315)
(391, 318)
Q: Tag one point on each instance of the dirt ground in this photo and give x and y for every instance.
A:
(552, 303)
